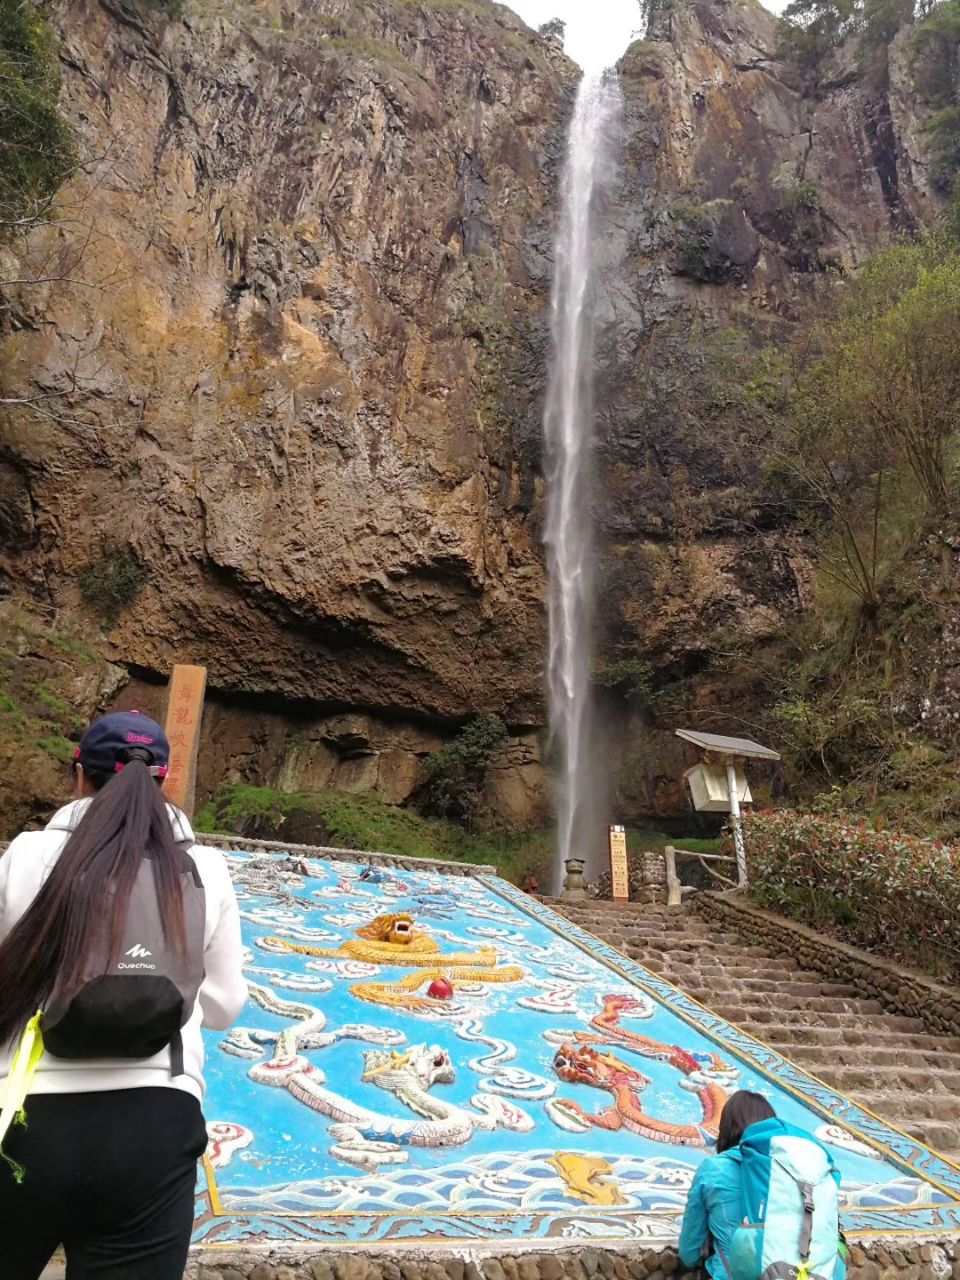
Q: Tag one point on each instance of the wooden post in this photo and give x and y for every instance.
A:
(674, 895)
(188, 686)
(619, 876)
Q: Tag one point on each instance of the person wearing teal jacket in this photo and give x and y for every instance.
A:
(715, 1204)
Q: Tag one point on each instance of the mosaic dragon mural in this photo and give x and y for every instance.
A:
(441, 1057)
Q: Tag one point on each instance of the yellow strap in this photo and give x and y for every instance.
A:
(17, 1084)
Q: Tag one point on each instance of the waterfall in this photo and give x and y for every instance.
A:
(568, 439)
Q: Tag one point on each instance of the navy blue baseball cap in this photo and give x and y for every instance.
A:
(106, 745)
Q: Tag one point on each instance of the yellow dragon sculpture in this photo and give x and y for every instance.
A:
(393, 940)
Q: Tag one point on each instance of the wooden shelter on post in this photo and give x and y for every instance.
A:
(188, 687)
(719, 784)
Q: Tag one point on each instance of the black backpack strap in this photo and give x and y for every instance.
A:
(176, 1055)
(190, 869)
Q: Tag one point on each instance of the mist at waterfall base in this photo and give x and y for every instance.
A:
(580, 258)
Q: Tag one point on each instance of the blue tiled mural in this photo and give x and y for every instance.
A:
(442, 1057)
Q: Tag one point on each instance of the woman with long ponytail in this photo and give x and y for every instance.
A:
(119, 940)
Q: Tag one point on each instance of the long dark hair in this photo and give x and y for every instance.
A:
(740, 1112)
(126, 820)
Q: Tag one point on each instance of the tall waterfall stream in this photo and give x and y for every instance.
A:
(588, 174)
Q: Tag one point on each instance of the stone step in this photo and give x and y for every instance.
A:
(722, 978)
(786, 992)
(761, 967)
(661, 939)
(695, 955)
(879, 1054)
(888, 1080)
(754, 1004)
(758, 1020)
(865, 1037)
(800, 986)
(932, 1133)
(910, 1107)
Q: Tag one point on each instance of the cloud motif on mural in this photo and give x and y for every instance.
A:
(558, 999)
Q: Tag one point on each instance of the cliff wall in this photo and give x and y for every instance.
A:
(287, 356)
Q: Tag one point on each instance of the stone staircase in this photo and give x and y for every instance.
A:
(888, 1063)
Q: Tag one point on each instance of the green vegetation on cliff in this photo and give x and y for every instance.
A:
(111, 582)
(456, 774)
(810, 30)
(364, 821)
(50, 682)
(853, 418)
(936, 69)
(858, 421)
(36, 143)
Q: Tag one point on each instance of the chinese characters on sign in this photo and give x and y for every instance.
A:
(619, 880)
(188, 685)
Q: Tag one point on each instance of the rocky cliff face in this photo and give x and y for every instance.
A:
(293, 349)
(299, 231)
(747, 195)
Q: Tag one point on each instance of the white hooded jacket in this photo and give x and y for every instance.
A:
(23, 869)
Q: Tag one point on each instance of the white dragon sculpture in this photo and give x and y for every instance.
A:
(363, 1137)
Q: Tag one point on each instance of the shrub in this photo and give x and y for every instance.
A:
(810, 29)
(111, 583)
(798, 215)
(36, 142)
(365, 821)
(171, 8)
(943, 133)
(553, 29)
(895, 894)
(936, 49)
(632, 676)
(457, 773)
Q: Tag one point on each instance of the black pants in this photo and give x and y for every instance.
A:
(111, 1177)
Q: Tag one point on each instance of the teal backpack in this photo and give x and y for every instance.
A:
(790, 1189)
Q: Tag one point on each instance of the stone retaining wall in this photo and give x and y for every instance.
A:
(654, 868)
(899, 990)
(869, 1260)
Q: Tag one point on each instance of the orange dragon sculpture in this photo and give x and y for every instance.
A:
(581, 1063)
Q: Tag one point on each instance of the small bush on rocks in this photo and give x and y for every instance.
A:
(111, 583)
(457, 773)
(895, 894)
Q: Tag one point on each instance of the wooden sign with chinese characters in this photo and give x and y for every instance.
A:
(188, 686)
(619, 880)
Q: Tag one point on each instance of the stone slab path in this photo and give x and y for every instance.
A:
(889, 1064)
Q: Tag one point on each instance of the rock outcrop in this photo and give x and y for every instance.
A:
(748, 195)
(296, 228)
